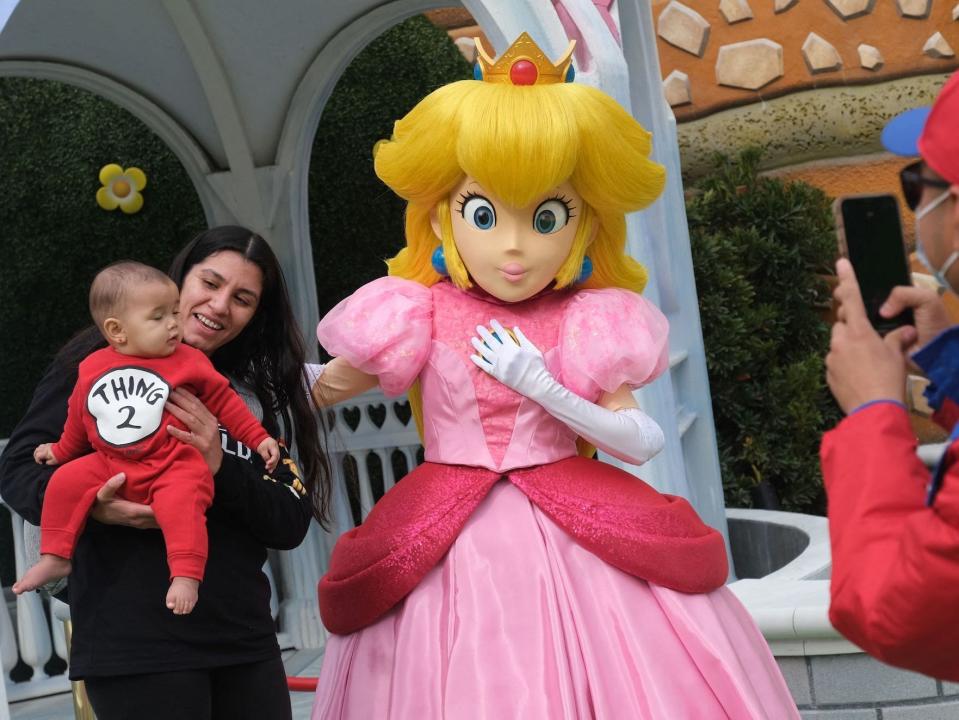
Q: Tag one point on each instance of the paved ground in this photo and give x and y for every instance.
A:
(304, 663)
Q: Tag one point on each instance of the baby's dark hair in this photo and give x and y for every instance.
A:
(108, 292)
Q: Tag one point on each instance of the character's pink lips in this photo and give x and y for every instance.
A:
(513, 272)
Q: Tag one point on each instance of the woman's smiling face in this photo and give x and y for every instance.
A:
(219, 297)
(513, 253)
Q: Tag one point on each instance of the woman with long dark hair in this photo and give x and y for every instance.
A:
(222, 660)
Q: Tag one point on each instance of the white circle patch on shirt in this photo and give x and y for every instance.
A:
(127, 404)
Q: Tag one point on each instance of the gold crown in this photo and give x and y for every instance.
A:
(523, 63)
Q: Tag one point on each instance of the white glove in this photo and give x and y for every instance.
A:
(628, 434)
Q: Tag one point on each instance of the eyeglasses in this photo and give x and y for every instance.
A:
(912, 180)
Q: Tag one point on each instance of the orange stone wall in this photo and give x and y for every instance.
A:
(899, 39)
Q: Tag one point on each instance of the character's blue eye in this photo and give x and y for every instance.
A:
(551, 216)
(479, 212)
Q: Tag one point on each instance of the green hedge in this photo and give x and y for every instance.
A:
(760, 249)
(54, 236)
(356, 222)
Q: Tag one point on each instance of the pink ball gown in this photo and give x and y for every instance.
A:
(506, 577)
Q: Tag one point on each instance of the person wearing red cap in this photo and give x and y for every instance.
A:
(894, 529)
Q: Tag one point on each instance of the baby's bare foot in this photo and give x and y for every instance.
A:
(47, 569)
(182, 595)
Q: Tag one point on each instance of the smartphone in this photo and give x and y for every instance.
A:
(870, 235)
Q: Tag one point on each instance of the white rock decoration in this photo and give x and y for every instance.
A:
(467, 46)
(783, 5)
(749, 65)
(820, 55)
(735, 10)
(849, 9)
(937, 47)
(870, 57)
(683, 27)
(955, 13)
(676, 89)
(913, 8)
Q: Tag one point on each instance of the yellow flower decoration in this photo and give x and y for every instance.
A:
(121, 188)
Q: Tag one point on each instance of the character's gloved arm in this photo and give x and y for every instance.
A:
(628, 434)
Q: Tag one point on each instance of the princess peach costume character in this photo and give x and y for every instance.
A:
(509, 576)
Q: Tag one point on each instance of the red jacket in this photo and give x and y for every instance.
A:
(895, 572)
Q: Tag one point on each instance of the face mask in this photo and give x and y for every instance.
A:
(940, 273)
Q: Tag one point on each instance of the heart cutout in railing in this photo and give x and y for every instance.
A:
(352, 417)
(377, 413)
(402, 412)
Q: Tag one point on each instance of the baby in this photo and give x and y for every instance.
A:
(117, 407)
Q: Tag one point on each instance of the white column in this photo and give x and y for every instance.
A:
(663, 245)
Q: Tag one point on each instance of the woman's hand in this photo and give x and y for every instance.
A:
(862, 366)
(203, 431)
(112, 510)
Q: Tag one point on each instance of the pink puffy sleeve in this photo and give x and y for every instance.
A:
(609, 338)
(385, 329)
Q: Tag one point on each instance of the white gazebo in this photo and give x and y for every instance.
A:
(236, 89)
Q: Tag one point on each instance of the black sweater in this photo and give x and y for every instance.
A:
(119, 582)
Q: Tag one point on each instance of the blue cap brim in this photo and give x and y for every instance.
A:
(901, 134)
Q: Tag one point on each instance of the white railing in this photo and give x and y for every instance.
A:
(35, 640)
(37, 637)
(372, 442)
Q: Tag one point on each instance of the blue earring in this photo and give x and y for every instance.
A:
(438, 261)
(585, 270)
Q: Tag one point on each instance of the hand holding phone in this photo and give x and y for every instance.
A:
(870, 235)
(862, 366)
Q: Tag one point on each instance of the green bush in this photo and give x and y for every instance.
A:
(356, 222)
(55, 139)
(760, 250)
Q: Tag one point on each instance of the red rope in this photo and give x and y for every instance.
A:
(302, 684)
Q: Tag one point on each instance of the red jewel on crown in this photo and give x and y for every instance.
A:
(523, 63)
(523, 72)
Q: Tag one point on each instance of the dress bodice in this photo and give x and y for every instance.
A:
(470, 417)
(592, 341)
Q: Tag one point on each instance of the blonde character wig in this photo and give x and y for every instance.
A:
(520, 142)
